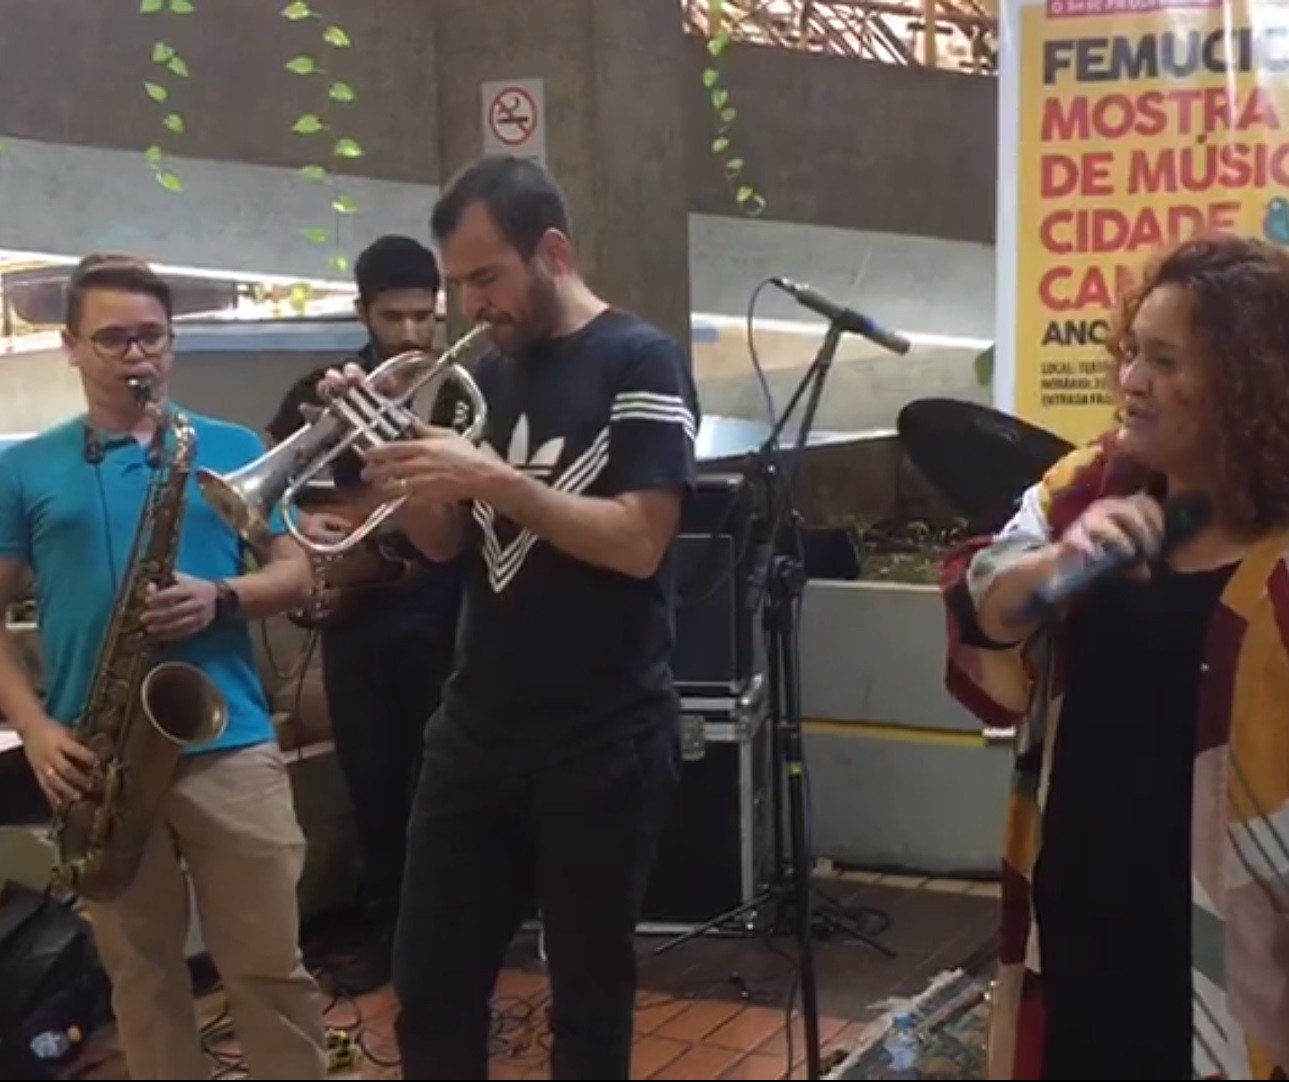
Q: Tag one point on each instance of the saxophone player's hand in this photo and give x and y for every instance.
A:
(64, 767)
(180, 610)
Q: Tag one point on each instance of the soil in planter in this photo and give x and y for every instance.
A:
(903, 552)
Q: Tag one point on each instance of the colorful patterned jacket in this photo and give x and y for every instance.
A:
(1240, 831)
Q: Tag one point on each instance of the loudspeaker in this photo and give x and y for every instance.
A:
(714, 651)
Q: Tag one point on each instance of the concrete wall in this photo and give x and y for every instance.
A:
(829, 141)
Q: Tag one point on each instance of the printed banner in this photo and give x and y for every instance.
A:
(1125, 126)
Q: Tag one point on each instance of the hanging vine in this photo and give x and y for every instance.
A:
(167, 65)
(746, 197)
(325, 125)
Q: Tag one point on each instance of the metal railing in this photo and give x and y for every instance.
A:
(964, 33)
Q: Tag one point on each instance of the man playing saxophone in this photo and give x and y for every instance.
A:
(72, 501)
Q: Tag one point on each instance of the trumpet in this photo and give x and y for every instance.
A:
(359, 417)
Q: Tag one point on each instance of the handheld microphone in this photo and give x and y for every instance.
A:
(846, 318)
(1184, 518)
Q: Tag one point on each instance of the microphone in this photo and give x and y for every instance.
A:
(846, 318)
(1184, 518)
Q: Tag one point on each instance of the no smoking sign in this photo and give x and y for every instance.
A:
(514, 118)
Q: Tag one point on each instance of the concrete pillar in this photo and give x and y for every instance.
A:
(612, 75)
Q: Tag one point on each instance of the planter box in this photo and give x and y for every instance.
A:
(901, 776)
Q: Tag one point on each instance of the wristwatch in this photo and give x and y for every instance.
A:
(227, 603)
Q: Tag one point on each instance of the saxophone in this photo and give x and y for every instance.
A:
(140, 713)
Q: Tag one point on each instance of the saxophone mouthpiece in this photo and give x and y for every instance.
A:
(142, 389)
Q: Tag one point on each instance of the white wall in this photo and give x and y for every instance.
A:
(69, 200)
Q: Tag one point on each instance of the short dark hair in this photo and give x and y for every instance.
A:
(114, 271)
(395, 262)
(522, 198)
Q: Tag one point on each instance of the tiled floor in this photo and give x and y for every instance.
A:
(711, 1008)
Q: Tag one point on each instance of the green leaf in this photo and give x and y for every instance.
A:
(161, 52)
(754, 205)
(336, 38)
(169, 181)
(728, 115)
(734, 166)
(710, 76)
(154, 155)
(343, 92)
(308, 124)
(156, 91)
(344, 204)
(179, 67)
(717, 45)
(720, 145)
(296, 11)
(175, 123)
(314, 172)
(317, 236)
(339, 262)
(347, 148)
(302, 65)
(720, 98)
(151, 7)
(744, 194)
(181, 7)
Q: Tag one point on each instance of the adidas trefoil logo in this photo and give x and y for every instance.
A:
(542, 461)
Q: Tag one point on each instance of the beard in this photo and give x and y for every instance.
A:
(537, 319)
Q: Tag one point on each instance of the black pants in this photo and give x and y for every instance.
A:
(577, 834)
(383, 681)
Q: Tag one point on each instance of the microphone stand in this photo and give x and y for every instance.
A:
(780, 578)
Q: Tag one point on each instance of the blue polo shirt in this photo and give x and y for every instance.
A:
(74, 522)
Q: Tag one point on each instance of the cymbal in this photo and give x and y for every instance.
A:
(980, 459)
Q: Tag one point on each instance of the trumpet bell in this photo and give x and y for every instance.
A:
(247, 498)
(250, 521)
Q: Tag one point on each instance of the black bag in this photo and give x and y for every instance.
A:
(51, 980)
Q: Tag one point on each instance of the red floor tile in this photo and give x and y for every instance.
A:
(701, 1061)
(757, 1065)
(751, 1027)
(654, 1009)
(652, 1053)
(698, 1019)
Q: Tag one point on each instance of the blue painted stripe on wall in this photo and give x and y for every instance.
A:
(290, 336)
(285, 337)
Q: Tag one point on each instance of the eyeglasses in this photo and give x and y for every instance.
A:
(115, 342)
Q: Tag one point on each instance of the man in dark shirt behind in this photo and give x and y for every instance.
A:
(551, 765)
(386, 654)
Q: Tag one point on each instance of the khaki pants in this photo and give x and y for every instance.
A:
(230, 817)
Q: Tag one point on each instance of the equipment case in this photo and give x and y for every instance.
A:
(715, 851)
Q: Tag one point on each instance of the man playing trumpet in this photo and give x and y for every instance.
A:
(549, 769)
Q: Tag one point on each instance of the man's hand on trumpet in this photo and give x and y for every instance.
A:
(439, 466)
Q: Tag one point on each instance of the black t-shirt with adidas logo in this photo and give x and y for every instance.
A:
(549, 647)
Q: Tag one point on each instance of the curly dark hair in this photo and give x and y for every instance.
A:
(1239, 290)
